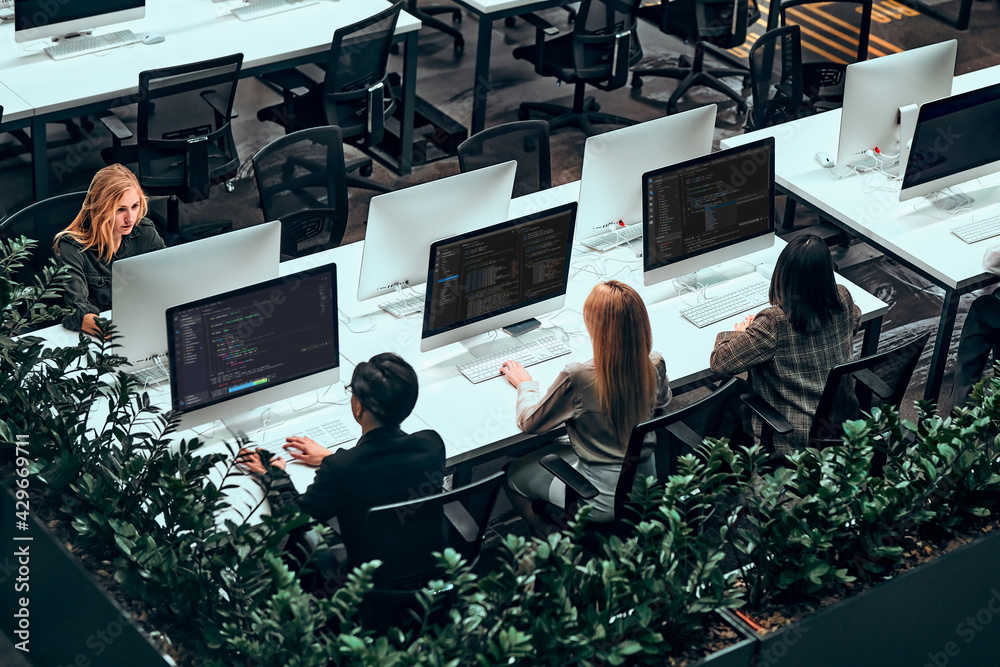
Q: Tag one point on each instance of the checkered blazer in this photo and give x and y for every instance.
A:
(788, 368)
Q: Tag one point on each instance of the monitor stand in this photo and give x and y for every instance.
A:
(522, 327)
(951, 201)
(700, 279)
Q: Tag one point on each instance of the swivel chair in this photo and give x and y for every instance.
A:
(41, 221)
(526, 141)
(603, 45)
(354, 95)
(775, 78)
(427, 20)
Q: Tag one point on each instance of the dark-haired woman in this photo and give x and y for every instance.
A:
(789, 348)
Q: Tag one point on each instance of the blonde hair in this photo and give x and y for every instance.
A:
(93, 225)
(625, 377)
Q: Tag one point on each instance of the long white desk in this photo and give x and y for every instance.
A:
(195, 30)
(14, 107)
(912, 232)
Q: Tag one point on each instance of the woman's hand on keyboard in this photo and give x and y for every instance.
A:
(250, 460)
(515, 373)
(306, 450)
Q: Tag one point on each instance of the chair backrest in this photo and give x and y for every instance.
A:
(775, 77)
(722, 22)
(42, 221)
(184, 133)
(526, 141)
(356, 92)
(879, 380)
(302, 181)
(404, 535)
(605, 41)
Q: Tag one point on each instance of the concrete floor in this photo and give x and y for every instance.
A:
(445, 79)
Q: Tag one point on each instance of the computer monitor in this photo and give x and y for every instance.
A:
(956, 140)
(38, 19)
(497, 276)
(246, 348)
(874, 91)
(614, 162)
(708, 210)
(144, 286)
(402, 224)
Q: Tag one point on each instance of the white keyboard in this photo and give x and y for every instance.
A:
(403, 307)
(259, 8)
(726, 304)
(978, 229)
(324, 430)
(6, 12)
(81, 46)
(615, 237)
(527, 354)
(150, 375)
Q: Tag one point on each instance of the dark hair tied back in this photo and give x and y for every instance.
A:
(803, 285)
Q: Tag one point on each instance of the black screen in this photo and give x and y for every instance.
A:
(708, 203)
(29, 14)
(954, 135)
(253, 338)
(498, 269)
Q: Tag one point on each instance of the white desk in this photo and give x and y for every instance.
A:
(911, 232)
(195, 30)
(14, 108)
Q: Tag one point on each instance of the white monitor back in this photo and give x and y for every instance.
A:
(143, 287)
(403, 224)
(38, 19)
(614, 162)
(874, 91)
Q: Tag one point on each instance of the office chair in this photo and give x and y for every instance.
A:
(775, 78)
(302, 182)
(601, 48)
(405, 535)
(427, 20)
(354, 95)
(718, 415)
(707, 23)
(526, 141)
(825, 59)
(184, 143)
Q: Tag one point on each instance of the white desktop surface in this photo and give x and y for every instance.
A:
(14, 108)
(912, 230)
(194, 30)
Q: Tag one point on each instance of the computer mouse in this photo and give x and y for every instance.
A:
(152, 38)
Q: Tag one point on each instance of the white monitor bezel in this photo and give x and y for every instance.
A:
(712, 256)
(875, 90)
(464, 331)
(145, 286)
(78, 25)
(614, 162)
(403, 224)
(230, 411)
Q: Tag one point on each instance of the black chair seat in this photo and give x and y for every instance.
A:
(558, 60)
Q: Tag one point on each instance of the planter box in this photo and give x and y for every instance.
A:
(66, 617)
(942, 613)
(740, 654)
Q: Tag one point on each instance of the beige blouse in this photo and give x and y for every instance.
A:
(572, 399)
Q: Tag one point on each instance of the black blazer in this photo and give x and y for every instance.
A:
(385, 466)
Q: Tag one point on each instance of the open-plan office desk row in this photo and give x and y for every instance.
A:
(45, 90)
(478, 420)
(914, 233)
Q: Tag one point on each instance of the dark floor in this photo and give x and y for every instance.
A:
(445, 79)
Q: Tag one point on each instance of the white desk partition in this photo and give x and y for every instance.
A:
(913, 232)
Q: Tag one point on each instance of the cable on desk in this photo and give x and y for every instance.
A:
(346, 321)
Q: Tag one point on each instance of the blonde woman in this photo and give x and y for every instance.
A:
(111, 225)
(600, 401)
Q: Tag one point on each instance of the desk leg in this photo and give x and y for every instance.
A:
(409, 86)
(873, 329)
(935, 376)
(39, 159)
(481, 84)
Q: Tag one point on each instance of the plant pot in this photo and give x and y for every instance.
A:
(51, 602)
(942, 613)
(739, 654)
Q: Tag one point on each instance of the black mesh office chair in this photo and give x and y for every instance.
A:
(405, 535)
(775, 78)
(302, 182)
(41, 221)
(426, 15)
(718, 415)
(354, 95)
(601, 48)
(719, 23)
(836, 33)
(525, 141)
(184, 143)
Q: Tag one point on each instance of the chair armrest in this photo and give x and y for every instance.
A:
(766, 411)
(196, 180)
(619, 60)
(873, 382)
(540, 24)
(570, 476)
(115, 125)
(290, 81)
(219, 104)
